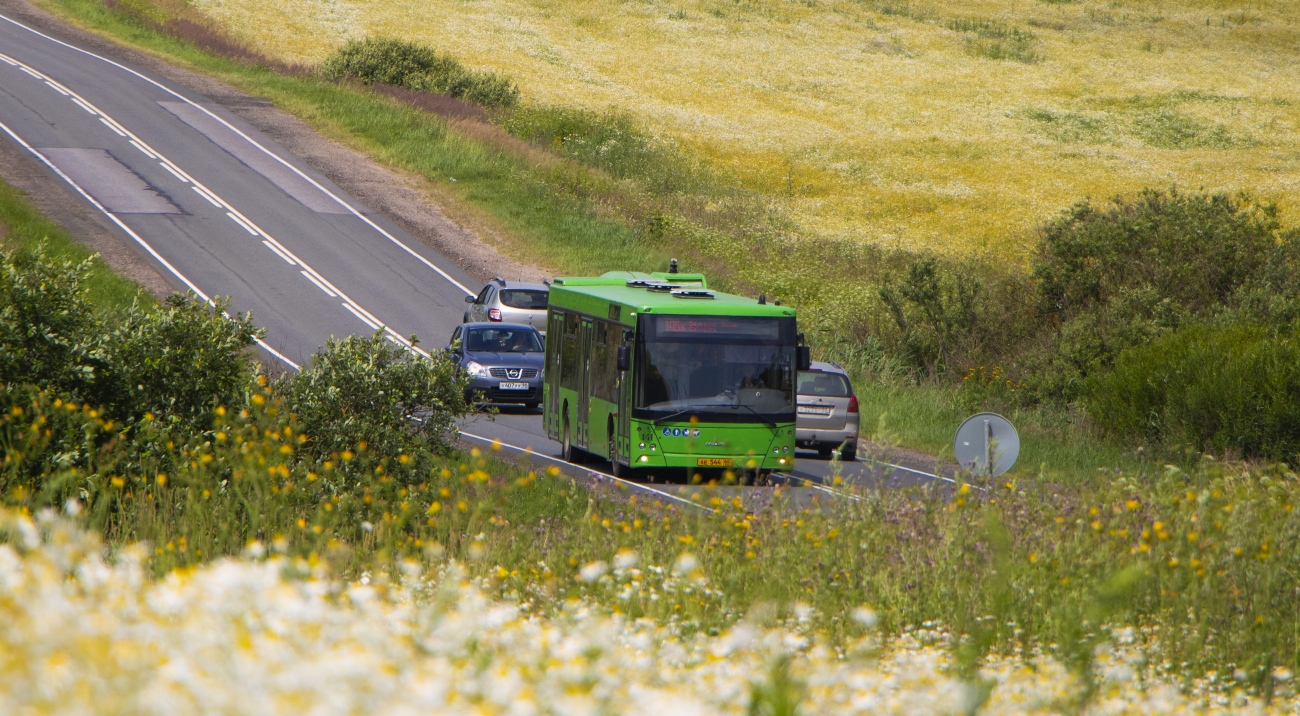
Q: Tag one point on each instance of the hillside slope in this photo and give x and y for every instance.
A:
(932, 124)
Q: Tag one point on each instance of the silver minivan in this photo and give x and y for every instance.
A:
(503, 301)
(827, 411)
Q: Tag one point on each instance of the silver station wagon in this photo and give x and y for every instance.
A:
(827, 411)
(504, 301)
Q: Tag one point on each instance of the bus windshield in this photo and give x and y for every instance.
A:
(732, 368)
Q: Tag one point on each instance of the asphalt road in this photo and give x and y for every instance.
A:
(221, 210)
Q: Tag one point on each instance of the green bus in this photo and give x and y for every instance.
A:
(662, 376)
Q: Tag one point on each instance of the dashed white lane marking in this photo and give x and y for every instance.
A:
(232, 212)
(319, 285)
(33, 74)
(145, 244)
(77, 101)
(56, 88)
(204, 193)
(367, 321)
(251, 141)
(108, 124)
(168, 167)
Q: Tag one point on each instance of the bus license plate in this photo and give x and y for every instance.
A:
(813, 410)
(514, 386)
(713, 462)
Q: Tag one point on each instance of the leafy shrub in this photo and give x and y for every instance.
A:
(48, 331)
(1109, 278)
(934, 311)
(1233, 388)
(368, 390)
(180, 360)
(416, 67)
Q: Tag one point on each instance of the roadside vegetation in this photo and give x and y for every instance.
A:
(928, 336)
(1167, 579)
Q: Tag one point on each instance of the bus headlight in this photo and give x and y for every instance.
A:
(785, 449)
(645, 458)
(476, 370)
(641, 445)
(776, 450)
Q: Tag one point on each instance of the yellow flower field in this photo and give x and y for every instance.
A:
(955, 125)
(254, 635)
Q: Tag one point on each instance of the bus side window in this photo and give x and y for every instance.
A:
(570, 350)
(604, 365)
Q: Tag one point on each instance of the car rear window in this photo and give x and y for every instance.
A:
(828, 385)
(519, 298)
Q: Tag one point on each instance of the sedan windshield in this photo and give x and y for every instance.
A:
(716, 365)
(503, 340)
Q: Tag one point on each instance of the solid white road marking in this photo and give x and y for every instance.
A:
(78, 102)
(319, 285)
(287, 260)
(606, 476)
(122, 225)
(168, 167)
(107, 124)
(240, 221)
(367, 321)
(203, 193)
(140, 145)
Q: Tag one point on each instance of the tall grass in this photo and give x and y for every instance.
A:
(897, 123)
(1202, 563)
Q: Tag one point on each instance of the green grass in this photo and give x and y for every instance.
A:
(576, 220)
(28, 228)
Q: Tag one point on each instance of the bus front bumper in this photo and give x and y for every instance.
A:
(768, 463)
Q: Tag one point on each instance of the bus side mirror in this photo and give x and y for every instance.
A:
(470, 299)
(624, 358)
(802, 357)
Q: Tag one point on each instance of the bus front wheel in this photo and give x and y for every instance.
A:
(567, 450)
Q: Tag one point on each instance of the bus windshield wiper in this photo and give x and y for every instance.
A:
(679, 413)
(766, 420)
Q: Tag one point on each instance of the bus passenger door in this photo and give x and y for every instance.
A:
(583, 428)
(624, 426)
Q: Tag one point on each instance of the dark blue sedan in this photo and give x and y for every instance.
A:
(503, 362)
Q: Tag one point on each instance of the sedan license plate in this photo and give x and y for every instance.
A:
(513, 386)
(814, 410)
(713, 462)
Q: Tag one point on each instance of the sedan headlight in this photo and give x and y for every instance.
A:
(476, 370)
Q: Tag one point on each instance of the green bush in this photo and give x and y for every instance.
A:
(936, 312)
(1221, 388)
(370, 391)
(49, 335)
(416, 67)
(1114, 277)
(180, 360)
